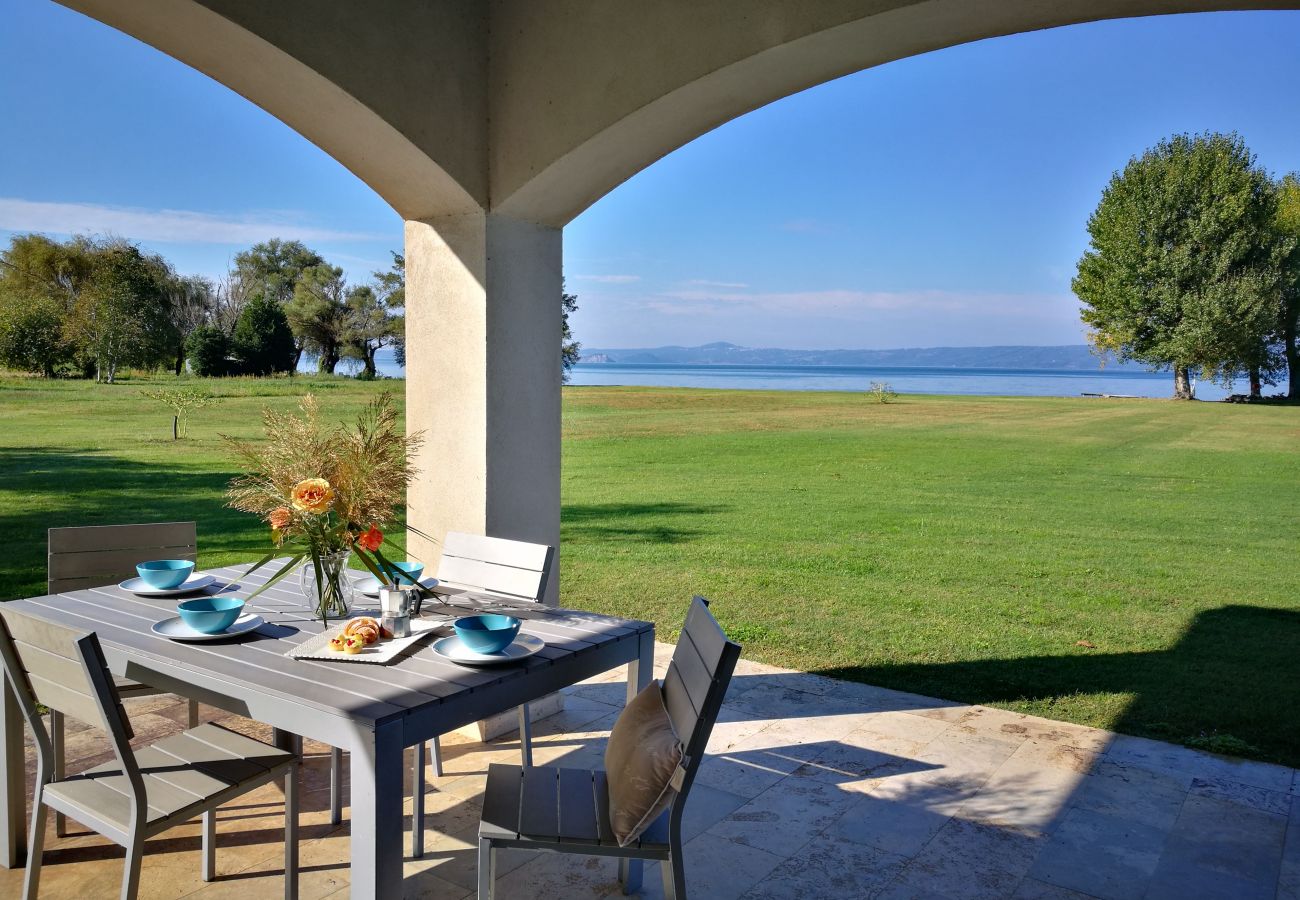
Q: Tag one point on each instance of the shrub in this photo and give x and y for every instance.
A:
(263, 341)
(31, 337)
(207, 348)
(881, 392)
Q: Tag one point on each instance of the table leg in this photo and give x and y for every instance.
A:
(13, 781)
(292, 802)
(377, 812)
(639, 673)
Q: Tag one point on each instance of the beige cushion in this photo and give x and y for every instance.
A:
(640, 759)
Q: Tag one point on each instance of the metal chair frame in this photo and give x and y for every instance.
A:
(694, 688)
(57, 652)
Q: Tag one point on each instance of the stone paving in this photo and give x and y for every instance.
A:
(814, 788)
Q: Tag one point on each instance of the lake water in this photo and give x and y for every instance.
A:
(904, 379)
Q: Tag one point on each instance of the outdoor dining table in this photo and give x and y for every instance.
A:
(372, 711)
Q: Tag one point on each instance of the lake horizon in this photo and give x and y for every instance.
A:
(992, 382)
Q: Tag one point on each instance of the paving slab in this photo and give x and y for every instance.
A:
(811, 788)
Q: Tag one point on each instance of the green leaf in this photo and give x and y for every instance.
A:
(288, 567)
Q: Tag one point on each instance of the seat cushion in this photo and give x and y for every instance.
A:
(641, 758)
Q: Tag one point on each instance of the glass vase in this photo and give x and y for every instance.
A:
(330, 595)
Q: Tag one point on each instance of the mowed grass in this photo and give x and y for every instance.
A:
(952, 546)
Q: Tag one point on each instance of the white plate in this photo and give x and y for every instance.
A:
(177, 630)
(370, 585)
(196, 582)
(451, 648)
(381, 653)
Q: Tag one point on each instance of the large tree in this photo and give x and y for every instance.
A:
(1288, 222)
(40, 282)
(1184, 265)
(123, 316)
(263, 341)
(318, 314)
(376, 316)
(193, 306)
(273, 269)
(570, 350)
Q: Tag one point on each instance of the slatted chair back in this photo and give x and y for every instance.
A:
(695, 685)
(64, 669)
(95, 555)
(514, 569)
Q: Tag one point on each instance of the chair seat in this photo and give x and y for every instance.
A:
(183, 775)
(553, 805)
(128, 688)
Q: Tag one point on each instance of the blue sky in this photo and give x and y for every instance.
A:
(939, 200)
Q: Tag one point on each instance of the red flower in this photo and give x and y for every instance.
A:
(370, 540)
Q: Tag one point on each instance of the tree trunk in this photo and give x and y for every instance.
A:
(1256, 383)
(1182, 384)
(297, 356)
(329, 361)
(370, 363)
(180, 359)
(112, 371)
(1292, 360)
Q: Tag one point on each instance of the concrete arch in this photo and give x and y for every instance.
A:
(648, 78)
(535, 109)
(301, 65)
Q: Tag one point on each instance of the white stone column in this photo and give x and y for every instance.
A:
(483, 380)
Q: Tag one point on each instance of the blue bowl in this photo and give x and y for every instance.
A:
(409, 572)
(488, 633)
(210, 615)
(165, 574)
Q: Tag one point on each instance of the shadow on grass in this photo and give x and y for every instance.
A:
(656, 523)
(1233, 677)
(62, 487)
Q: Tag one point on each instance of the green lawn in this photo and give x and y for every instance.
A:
(958, 547)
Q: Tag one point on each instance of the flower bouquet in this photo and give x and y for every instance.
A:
(326, 493)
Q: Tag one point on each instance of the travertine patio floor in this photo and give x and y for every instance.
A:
(815, 788)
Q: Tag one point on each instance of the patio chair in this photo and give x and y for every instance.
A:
(94, 555)
(146, 791)
(568, 810)
(484, 568)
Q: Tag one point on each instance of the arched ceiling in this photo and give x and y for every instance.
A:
(538, 109)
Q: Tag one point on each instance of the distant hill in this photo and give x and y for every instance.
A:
(1073, 356)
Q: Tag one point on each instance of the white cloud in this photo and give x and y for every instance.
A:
(609, 279)
(704, 282)
(166, 225)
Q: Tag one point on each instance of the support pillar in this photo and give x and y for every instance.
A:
(483, 380)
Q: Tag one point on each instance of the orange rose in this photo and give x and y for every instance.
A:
(313, 495)
(370, 540)
(280, 517)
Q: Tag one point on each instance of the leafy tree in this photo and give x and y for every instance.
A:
(123, 316)
(570, 350)
(207, 348)
(40, 282)
(263, 341)
(1288, 222)
(31, 334)
(376, 316)
(318, 314)
(180, 401)
(193, 305)
(273, 269)
(1184, 265)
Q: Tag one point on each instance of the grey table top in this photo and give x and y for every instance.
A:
(364, 694)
